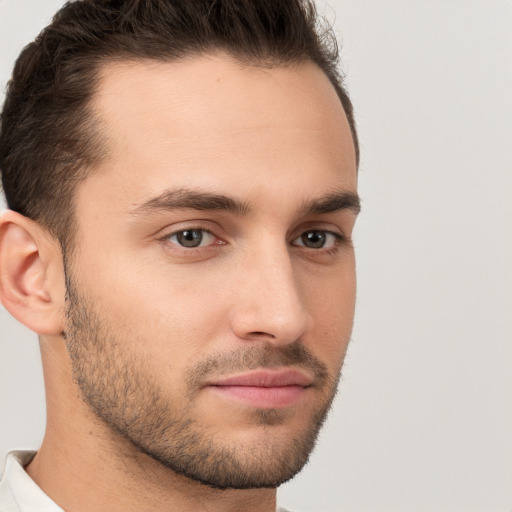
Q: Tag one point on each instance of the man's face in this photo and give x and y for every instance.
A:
(211, 292)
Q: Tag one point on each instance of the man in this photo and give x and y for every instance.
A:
(182, 189)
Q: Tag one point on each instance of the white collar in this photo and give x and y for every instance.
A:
(18, 492)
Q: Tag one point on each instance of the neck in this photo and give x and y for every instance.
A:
(84, 467)
(70, 464)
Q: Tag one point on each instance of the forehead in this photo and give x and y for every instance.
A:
(208, 118)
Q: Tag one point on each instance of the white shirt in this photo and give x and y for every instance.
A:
(19, 493)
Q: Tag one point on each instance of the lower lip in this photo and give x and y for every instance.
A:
(261, 397)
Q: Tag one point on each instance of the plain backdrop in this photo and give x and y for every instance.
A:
(423, 421)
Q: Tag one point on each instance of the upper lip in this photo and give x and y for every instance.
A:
(266, 379)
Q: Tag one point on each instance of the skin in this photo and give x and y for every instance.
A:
(273, 140)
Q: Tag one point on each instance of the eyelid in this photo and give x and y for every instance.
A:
(334, 228)
(339, 238)
(205, 234)
(190, 226)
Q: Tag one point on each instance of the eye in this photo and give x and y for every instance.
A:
(191, 238)
(318, 239)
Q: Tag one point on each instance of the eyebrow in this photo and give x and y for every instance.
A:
(333, 202)
(185, 198)
(193, 199)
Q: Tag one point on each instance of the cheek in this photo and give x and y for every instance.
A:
(331, 304)
(164, 316)
(332, 334)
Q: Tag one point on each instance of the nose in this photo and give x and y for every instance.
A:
(269, 303)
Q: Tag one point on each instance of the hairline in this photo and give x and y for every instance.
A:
(96, 127)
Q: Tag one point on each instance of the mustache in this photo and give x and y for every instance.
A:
(259, 357)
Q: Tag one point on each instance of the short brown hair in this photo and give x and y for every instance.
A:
(48, 138)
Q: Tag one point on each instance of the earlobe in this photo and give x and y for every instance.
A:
(31, 288)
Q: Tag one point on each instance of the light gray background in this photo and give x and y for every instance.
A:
(424, 418)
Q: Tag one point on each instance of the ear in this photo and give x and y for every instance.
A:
(32, 285)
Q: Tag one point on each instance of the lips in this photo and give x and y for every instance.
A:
(264, 388)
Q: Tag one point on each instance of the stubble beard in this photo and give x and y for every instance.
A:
(123, 392)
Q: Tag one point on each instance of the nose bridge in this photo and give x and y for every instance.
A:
(270, 303)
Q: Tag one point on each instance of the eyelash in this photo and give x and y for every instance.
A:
(339, 239)
(168, 237)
